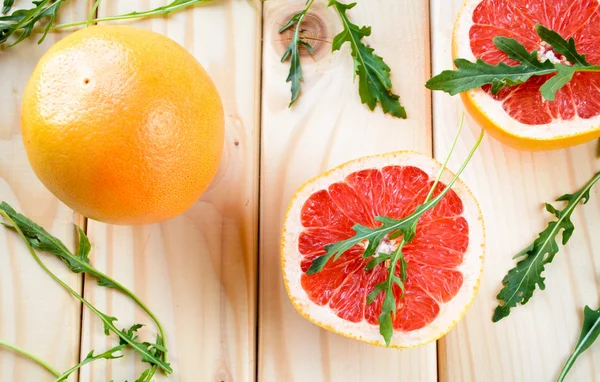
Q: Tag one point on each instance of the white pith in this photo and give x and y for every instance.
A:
(493, 110)
(323, 316)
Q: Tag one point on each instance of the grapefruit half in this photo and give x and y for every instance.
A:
(518, 115)
(445, 259)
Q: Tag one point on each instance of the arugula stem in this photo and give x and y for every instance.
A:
(593, 69)
(30, 356)
(109, 326)
(445, 164)
(134, 15)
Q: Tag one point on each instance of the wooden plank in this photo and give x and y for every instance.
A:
(536, 339)
(197, 271)
(36, 313)
(327, 127)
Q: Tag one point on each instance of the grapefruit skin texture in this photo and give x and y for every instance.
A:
(484, 116)
(122, 124)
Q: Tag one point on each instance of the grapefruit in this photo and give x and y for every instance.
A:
(122, 124)
(445, 259)
(518, 115)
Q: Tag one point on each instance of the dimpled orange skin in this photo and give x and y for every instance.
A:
(122, 124)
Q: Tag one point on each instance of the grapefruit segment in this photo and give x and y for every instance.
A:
(444, 259)
(520, 116)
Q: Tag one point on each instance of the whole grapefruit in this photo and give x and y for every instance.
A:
(122, 124)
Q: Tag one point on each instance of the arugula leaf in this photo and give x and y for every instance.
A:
(7, 5)
(389, 306)
(521, 281)
(113, 353)
(41, 240)
(470, 75)
(564, 74)
(108, 321)
(562, 46)
(589, 333)
(21, 22)
(374, 84)
(293, 50)
(38, 238)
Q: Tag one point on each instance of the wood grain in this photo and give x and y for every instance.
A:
(197, 271)
(328, 126)
(36, 313)
(536, 339)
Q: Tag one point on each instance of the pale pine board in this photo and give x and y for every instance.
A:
(35, 312)
(327, 127)
(536, 339)
(197, 271)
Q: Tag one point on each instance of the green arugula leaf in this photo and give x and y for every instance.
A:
(37, 238)
(374, 82)
(7, 5)
(113, 353)
(390, 304)
(41, 240)
(589, 333)
(515, 51)
(293, 50)
(21, 22)
(521, 281)
(376, 260)
(564, 74)
(470, 75)
(562, 46)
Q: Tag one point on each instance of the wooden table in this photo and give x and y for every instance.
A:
(213, 273)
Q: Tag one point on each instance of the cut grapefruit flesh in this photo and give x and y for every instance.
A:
(444, 260)
(518, 115)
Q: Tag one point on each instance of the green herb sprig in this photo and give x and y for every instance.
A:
(374, 82)
(392, 229)
(23, 23)
(293, 50)
(522, 280)
(469, 75)
(589, 333)
(36, 238)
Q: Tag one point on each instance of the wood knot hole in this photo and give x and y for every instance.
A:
(313, 30)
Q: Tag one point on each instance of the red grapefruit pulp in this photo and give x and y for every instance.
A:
(356, 194)
(519, 115)
(517, 19)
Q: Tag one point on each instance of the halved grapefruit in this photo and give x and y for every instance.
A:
(519, 116)
(444, 260)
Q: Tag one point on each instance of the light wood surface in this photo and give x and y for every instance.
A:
(197, 271)
(213, 275)
(327, 127)
(35, 312)
(536, 339)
